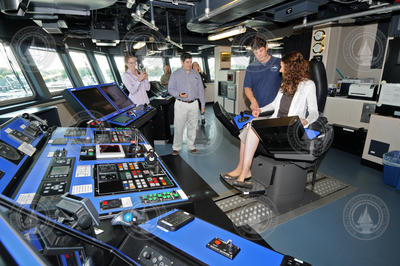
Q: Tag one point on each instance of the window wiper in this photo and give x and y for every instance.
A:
(13, 69)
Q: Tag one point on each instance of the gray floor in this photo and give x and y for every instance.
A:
(319, 235)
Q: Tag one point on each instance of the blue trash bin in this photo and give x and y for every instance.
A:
(391, 168)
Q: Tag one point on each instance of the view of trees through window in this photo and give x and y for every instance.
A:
(51, 69)
(12, 81)
(104, 67)
(84, 68)
(119, 61)
(154, 67)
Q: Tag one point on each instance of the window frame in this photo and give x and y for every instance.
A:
(109, 64)
(58, 92)
(24, 72)
(90, 64)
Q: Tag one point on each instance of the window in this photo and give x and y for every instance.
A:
(175, 63)
(104, 68)
(200, 61)
(84, 68)
(119, 61)
(13, 84)
(52, 70)
(211, 67)
(154, 67)
(239, 62)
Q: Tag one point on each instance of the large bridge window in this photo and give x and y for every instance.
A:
(51, 68)
(175, 63)
(84, 68)
(211, 67)
(239, 62)
(154, 67)
(199, 60)
(13, 84)
(119, 61)
(104, 67)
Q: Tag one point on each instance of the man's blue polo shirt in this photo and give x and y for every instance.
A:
(264, 80)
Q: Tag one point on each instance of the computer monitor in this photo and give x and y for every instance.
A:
(94, 102)
(284, 134)
(117, 97)
(389, 100)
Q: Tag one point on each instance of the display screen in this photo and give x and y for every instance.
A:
(59, 170)
(122, 119)
(94, 102)
(109, 148)
(117, 96)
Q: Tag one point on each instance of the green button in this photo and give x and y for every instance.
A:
(159, 195)
(150, 199)
(168, 196)
(144, 197)
(176, 195)
(164, 197)
(164, 192)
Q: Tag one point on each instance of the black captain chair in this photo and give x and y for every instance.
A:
(282, 174)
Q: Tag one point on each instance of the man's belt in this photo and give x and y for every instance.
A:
(187, 101)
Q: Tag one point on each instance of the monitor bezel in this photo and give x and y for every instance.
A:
(104, 118)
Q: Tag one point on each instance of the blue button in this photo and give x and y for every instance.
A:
(128, 217)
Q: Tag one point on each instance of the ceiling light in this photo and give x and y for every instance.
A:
(139, 45)
(274, 44)
(105, 42)
(206, 46)
(227, 33)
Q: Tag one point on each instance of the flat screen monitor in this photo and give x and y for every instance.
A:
(94, 102)
(282, 134)
(117, 96)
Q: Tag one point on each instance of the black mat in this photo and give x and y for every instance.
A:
(188, 179)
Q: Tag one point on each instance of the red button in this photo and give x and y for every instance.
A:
(105, 202)
(217, 242)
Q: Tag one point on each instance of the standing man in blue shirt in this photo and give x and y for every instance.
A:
(263, 79)
(186, 85)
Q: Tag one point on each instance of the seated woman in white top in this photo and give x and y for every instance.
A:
(297, 96)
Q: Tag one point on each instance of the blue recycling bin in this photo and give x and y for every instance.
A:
(391, 168)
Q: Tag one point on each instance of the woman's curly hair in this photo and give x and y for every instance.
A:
(296, 71)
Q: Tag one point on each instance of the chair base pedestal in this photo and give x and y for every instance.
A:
(284, 181)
